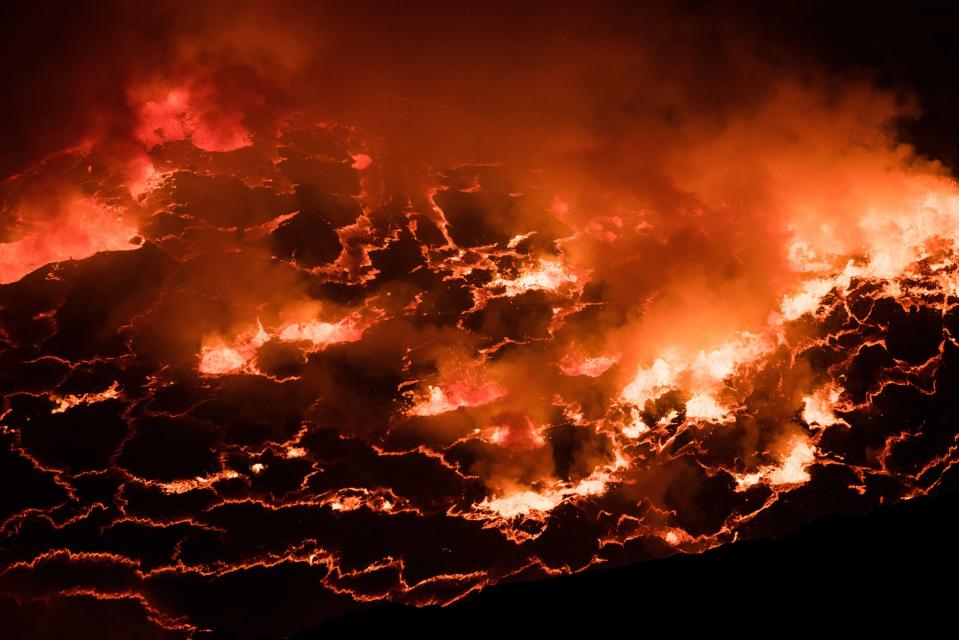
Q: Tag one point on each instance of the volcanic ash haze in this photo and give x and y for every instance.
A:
(389, 302)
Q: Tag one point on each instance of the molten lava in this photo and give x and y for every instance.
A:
(238, 350)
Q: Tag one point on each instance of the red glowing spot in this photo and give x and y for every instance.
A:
(797, 453)
(361, 161)
(321, 334)
(143, 177)
(583, 365)
(220, 358)
(450, 397)
(544, 275)
(516, 431)
(560, 208)
(84, 228)
(182, 115)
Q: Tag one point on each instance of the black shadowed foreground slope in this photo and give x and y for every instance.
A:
(893, 566)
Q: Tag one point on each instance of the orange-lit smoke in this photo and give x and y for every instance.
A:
(565, 264)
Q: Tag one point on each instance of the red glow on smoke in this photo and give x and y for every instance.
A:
(179, 114)
(313, 305)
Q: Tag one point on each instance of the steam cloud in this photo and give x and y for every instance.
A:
(360, 269)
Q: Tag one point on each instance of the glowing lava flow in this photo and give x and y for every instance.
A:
(83, 228)
(294, 377)
(219, 358)
(440, 399)
(181, 114)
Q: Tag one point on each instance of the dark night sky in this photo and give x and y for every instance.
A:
(65, 65)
